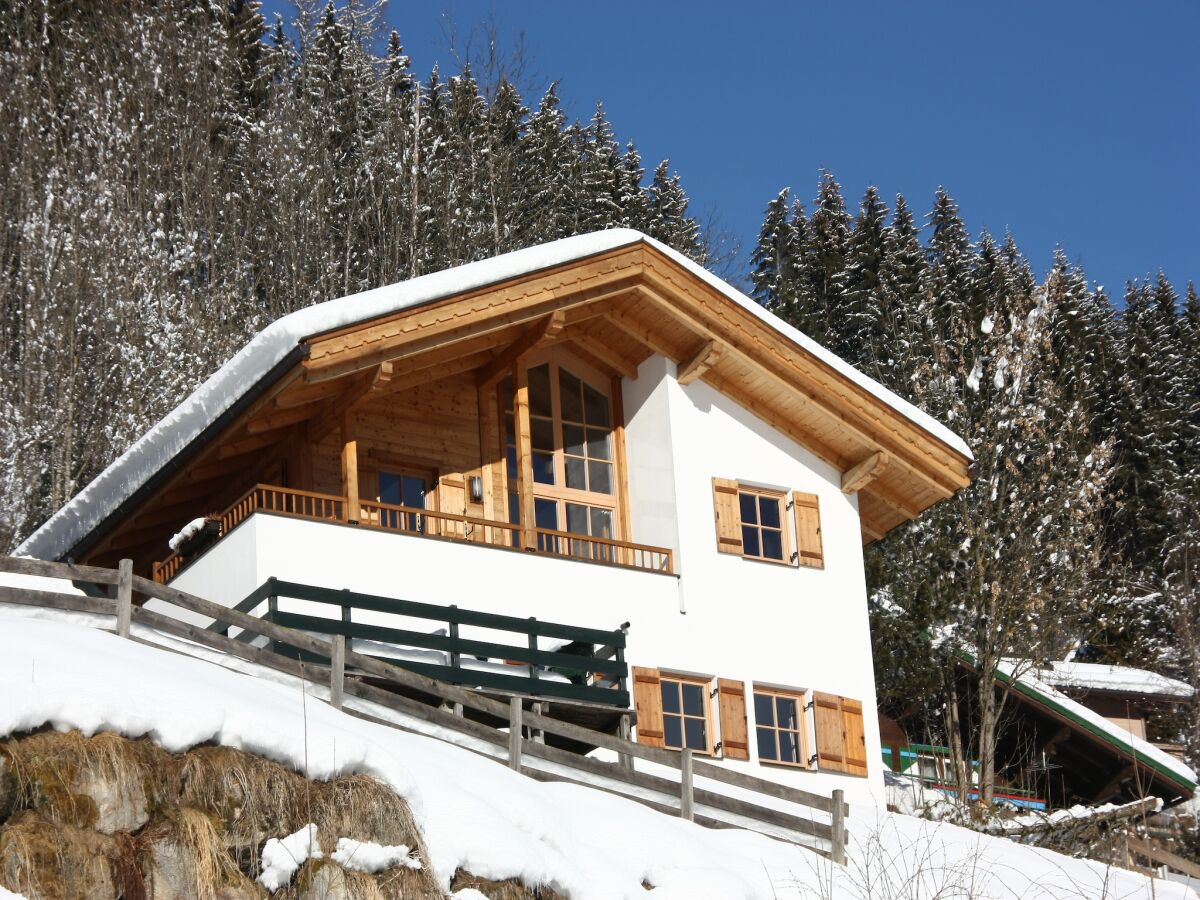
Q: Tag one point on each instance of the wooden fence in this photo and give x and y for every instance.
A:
(588, 667)
(676, 797)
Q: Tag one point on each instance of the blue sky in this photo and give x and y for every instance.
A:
(1073, 123)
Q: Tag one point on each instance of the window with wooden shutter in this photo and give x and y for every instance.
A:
(647, 700)
(841, 740)
(725, 510)
(731, 698)
(807, 511)
(779, 727)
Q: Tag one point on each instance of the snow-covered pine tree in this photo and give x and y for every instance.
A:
(862, 321)
(770, 259)
(667, 211)
(824, 263)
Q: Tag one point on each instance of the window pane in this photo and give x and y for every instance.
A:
(576, 476)
(750, 541)
(764, 709)
(749, 508)
(506, 395)
(693, 699)
(602, 523)
(412, 491)
(541, 434)
(595, 406)
(539, 390)
(769, 507)
(600, 477)
(545, 513)
(670, 696)
(569, 396)
(787, 712)
(789, 750)
(389, 488)
(696, 739)
(597, 443)
(766, 743)
(573, 439)
(543, 468)
(510, 458)
(772, 544)
(672, 731)
(577, 518)
(514, 508)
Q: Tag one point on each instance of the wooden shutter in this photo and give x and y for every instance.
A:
(855, 741)
(731, 700)
(729, 520)
(831, 737)
(807, 510)
(647, 700)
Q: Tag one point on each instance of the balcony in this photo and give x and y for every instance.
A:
(385, 517)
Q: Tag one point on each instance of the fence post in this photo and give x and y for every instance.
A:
(452, 631)
(124, 596)
(838, 823)
(533, 645)
(337, 672)
(686, 798)
(514, 734)
(624, 760)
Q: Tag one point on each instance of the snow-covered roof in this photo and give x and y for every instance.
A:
(1098, 678)
(1142, 750)
(271, 346)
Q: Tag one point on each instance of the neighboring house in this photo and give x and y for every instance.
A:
(1066, 750)
(595, 432)
(1125, 696)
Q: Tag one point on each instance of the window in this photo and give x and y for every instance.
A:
(571, 456)
(685, 713)
(779, 726)
(761, 514)
(753, 522)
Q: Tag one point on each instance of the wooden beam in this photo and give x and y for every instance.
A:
(542, 331)
(282, 419)
(871, 531)
(350, 466)
(303, 395)
(449, 369)
(359, 389)
(250, 444)
(635, 329)
(865, 472)
(1114, 784)
(446, 332)
(524, 455)
(699, 363)
(613, 360)
(891, 501)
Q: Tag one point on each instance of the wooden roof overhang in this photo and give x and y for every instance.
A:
(614, 309)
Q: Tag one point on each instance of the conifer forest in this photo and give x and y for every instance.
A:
(179, 174)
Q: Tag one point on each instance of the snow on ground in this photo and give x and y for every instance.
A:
(368, 856)
(271, 346)
(281, 857)
(494, 822)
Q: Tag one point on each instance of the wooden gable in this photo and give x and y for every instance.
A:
(613, 310)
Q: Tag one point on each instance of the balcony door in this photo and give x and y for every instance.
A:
(404, 487)
(572, 455)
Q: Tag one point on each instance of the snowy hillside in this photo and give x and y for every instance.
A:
(478, 815)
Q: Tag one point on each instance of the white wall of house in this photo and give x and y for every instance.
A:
(786, 626)
(724, 617)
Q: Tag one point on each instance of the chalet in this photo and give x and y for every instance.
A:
(594, 444)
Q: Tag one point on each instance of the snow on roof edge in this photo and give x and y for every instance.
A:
(175, 432)
(1158, 758)
(1101, 678)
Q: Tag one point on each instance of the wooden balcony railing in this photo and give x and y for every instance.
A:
(283, 501)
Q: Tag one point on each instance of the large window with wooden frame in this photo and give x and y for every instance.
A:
(779, 726)
(571, 454)
(753, 522)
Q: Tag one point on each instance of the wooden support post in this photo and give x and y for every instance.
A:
(514, 734)
(337, 672)
(524, 456)
(455, 656)
(350, 467)
(687, 801)
(533, 645)
(124, 596)
(624, 760)
(837, 821)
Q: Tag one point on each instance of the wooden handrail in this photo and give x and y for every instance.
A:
(372, 666)
(300, 504)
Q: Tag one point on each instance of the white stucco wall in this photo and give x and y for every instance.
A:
(752, 621)
(723, 617)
